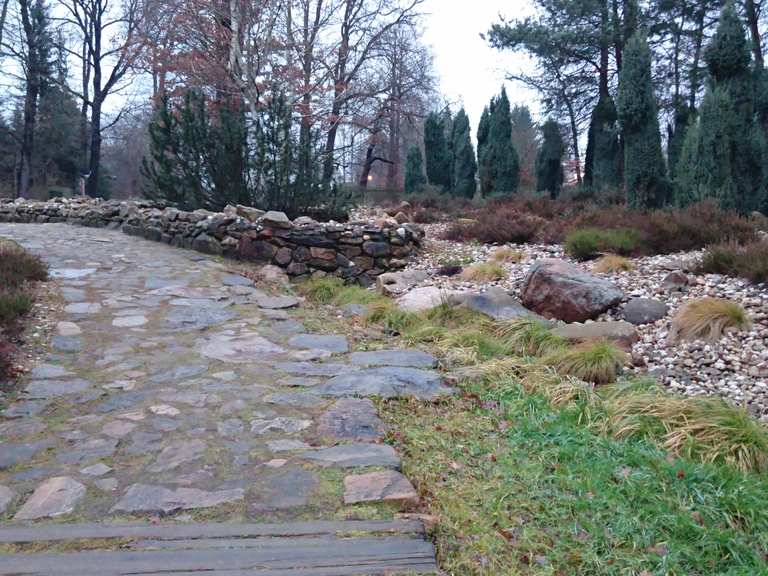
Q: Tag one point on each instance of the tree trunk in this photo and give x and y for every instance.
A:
(754, 32)
(92, 188)
(604, 48)
(3, 15)
(32, 92)
(698, 41)
(575, 139)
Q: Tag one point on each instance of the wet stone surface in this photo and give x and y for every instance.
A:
(174, 383)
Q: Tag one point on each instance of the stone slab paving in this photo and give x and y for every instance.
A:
(175, 386)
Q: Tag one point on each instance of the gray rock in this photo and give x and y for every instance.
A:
(297, 400)
(6, 497)
(639, 311)
(177, 454)
(496, 303)
(275, 219)
(559, 290)
(197, 318)
(89, 450)
(329, 343)
(403, 358)
(68, 344)
(622, 333)
(284, 489)
(41, 389)
(277, 302)
(180, 374)
(355, 455)
(354, 310)
(314, 368)
(675, 282)
(351, 419)
(49, 371)
(54, 497)
(280, 424)
(243, 348)
(83, 308)
(387, 382)
(96, 470)
(25, 409)
(426, 298)
(158, 499)
(386, 486)
(395, 283)
(236, 280)
(13, 454)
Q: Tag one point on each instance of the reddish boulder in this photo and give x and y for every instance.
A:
(559, 290)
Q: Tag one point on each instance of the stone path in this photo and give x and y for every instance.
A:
(177, 387)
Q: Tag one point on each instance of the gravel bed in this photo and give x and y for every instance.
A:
(735, 368)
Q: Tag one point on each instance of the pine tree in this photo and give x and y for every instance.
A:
(436, 154)
(602, 164)
(723, 157)
(525, 139)
(644, 170)
(549, 161)
(483, 131)
(275, 157)
(501, 165)
(414, 171)
(464, 163)
(447, 120)
(676, 133)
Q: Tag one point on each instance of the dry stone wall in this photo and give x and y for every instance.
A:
(356, 251)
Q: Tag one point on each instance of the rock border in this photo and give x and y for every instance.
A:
(356, 251)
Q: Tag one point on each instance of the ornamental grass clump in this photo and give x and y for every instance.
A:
(529, 337)
(485, 272)
(506, 254)
(611, 264)
(595, 362)
(706, 429)
(708, 319)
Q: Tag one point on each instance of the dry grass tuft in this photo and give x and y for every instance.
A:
(506, 254)
(596, 362)
(529, 337)
(708, 319)
(486, 272)
(611, 264)
(708, 429)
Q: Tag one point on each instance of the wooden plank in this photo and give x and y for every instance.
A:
(60, 532)
(340, 557)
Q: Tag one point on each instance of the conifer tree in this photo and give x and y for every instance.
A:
(549, 161)
(644, 170)
(483, 131)
(464, 163)
(436, 154)
(724, 157)
(500, 163)
(602, 164)
(414, 171)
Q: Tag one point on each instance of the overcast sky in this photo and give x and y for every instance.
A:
(471, 72)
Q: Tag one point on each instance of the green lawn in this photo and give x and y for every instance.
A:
(521, 488)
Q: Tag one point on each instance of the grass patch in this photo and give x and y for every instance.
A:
(748, 261)
(595, 362)
(586, 243)
(611, 264)
(485, 272)
(708, 319)
(529, 337)
(506, 254)
(335, 291)
(520, 487)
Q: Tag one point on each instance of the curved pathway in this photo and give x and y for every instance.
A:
(175, 386)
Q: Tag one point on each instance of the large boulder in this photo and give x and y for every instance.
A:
(559, 290)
